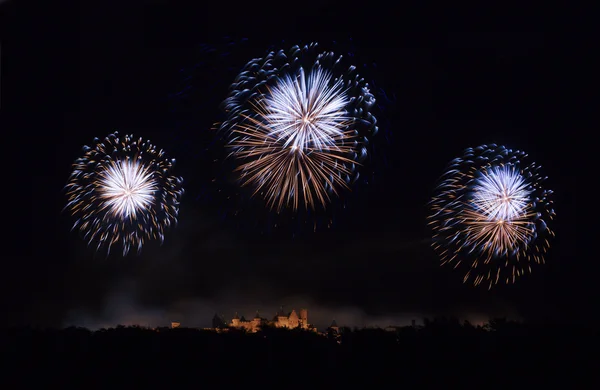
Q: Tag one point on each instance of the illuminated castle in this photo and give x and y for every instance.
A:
(281, 320)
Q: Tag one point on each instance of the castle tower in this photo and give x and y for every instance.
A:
(280, 312)
(334, 326)
(256, 321)
(304, 318)
(293, 320)
(235, 322)
(282, 319)
(218, 322)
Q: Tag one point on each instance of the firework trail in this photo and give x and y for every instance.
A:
(121, 191)
(298, 123)
(490, 214)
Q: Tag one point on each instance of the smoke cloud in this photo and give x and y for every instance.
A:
(121, 307)
(203, 271)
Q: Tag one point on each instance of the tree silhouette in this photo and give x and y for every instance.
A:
(443, 351)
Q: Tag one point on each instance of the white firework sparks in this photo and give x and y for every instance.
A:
(297, 140)
(127, 187)
(490, 214)
(305, 112)
(498, 220)
(122, 191)
(501, 194)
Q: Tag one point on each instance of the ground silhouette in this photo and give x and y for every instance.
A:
(442, 352)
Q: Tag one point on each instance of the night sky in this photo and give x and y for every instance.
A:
(89, 72)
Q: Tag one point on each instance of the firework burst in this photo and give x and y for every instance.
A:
(298, 126)
(121, 191)
(490, 214)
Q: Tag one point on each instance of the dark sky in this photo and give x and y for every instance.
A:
(86, 72)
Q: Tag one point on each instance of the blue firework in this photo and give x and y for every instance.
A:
(298, 123)
(491, 214)
(121, 191)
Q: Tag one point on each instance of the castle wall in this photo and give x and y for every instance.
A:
(291, 322)
(282, 322)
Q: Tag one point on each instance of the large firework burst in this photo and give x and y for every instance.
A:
(121, 191)
(490, 214)
(298, 125)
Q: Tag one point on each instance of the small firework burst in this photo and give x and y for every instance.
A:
(121, 191)
(491, 214)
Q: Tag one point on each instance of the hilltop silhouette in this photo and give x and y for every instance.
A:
(442, 352)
